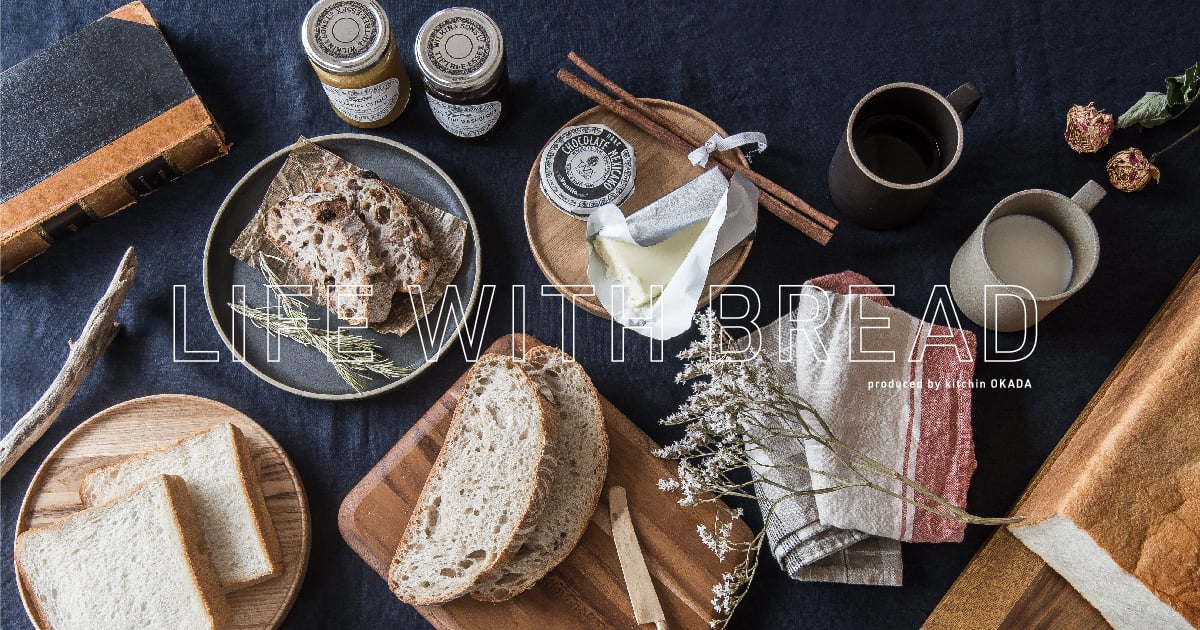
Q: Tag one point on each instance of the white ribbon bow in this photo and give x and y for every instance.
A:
(699, 157)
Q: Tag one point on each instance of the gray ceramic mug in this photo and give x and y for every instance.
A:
(901, 141)
(996, 304)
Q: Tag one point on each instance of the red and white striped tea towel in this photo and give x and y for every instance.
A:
(923, 432)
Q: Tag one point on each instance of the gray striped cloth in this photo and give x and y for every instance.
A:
(806, 549)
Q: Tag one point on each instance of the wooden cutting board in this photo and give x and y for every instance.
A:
(1007, 586)
(155, 422)
(557, 240)
(587, 590)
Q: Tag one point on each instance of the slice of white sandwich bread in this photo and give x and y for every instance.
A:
(1117, 513)
(137, 562)
(581, 453)
(485, 490)
(224, 487)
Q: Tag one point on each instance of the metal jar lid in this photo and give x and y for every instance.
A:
(459, 49)
(585, 167)
(345, 36)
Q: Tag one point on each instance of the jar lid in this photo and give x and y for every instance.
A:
(585, 167)
(345, 36)
(459, 49)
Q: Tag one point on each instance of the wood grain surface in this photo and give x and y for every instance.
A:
(557, 240)
(586, 591)
(155, 422)
(1007, 586)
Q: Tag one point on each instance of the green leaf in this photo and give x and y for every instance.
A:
(1184, 88)
(1151, 110)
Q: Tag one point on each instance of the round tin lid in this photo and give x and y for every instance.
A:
(585, 167)
(345, 36)
(459, 49)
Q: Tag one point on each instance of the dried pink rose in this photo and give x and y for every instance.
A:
(1088, 128)
(1129, 170)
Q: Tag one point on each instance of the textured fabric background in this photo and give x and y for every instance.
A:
(791, 71)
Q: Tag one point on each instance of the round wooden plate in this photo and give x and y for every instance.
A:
(557, 240)
(155, 422)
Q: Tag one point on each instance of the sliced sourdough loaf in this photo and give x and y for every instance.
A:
(330, 244)
(581, 453)
(137, 562)
(1117, 513)
(485, 490)
(402, 241)
(223, 486)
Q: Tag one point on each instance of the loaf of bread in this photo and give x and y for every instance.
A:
(581, 453)
(1118, 512)
(328, 241)
(223, 486)
(137, 562)
(402, 241)
(486, 489)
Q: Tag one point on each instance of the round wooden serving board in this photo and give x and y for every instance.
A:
(557, 240)
(155, 422)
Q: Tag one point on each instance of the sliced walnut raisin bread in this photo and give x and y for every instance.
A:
(331, 245)
(581, 452)
(486, 489)
(402, 241)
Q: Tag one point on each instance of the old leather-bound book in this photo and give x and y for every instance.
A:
(89, 125)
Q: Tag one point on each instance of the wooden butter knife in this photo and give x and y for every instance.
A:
(646, 607)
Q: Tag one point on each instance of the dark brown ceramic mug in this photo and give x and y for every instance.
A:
(901, 141)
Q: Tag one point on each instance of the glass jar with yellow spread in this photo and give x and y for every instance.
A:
(351, 47)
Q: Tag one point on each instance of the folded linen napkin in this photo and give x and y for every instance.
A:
(915, 419)
(805, 548)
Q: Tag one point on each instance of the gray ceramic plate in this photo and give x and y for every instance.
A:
(300, 369)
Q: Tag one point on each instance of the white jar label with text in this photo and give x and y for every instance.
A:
(466, 121)
(365, 105)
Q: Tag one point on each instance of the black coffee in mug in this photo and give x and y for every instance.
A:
(897, 149)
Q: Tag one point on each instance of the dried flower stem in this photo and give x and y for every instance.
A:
(1185, 136)
(737, 400)
(352, 356)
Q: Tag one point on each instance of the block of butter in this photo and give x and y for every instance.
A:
(644, 271)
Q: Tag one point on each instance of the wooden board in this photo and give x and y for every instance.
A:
(557, 240)
(154, 422)
(587, 590)
(1006, 585)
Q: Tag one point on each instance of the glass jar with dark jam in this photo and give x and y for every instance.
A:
(461, 54)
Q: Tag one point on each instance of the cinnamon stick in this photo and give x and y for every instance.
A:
(759, 180)
(804, 224)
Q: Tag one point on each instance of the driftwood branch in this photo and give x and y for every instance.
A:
(98, 333)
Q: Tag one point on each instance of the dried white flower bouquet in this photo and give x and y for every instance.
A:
(733, 394)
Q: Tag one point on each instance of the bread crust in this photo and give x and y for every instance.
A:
(537, 355)
(535, 499)
(263, 525)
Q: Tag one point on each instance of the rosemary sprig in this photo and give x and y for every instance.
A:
(353, 357)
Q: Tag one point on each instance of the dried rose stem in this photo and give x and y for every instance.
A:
(762, 182)
(1172, 145)
(793, 218)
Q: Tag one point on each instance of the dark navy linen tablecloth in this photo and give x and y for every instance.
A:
(792, 71)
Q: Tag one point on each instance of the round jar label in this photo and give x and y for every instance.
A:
(586, 167)
(346, 29)
(365, 105)
(465, 121)
(458, 46)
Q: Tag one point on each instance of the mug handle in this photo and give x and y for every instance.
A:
(1089, 195)
(964, 100)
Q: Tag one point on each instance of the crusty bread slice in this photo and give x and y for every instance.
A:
(137, 562)
(330, 244)
(485, 490)
(223, 486)
(581, 452)
(403, 243)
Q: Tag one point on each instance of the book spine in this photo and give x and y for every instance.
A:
(114, 196)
